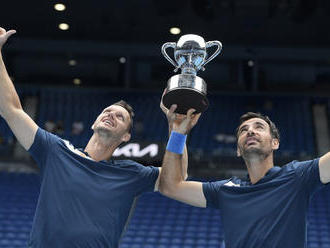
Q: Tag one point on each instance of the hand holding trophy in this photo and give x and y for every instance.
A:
(187, 90)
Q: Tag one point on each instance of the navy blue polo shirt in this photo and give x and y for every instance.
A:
(271, 213)
(83, 203)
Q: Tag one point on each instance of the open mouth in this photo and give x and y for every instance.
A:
(108, 123)
(251, 141)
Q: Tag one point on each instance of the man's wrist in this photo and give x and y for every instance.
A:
(176, 142)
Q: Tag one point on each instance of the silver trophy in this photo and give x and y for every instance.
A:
(187, 90)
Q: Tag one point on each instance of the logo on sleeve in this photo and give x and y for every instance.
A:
(231, 184)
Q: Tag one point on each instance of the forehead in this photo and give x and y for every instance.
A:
(254, 121)
(116, 108)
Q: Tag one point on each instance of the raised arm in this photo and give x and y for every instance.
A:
(172, 182)
(177, 121)
(11, 110)
(175, 124)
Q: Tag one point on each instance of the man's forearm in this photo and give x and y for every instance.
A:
(184, 161)
(9, 99)
(171, 173)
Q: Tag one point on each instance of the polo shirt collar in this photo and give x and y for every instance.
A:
(269, 174)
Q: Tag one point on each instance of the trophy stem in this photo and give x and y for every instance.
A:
(189, 70)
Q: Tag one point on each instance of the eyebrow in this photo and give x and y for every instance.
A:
(260, 123)
(110, 109)
(240, 128)
(257, 123)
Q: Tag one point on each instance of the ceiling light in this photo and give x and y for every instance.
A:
(76, 81)
(59, 7)
(63, 26)
(175, 30)
(250, 63)
(122, 60)
(72, 62)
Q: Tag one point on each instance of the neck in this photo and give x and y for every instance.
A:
(258, 166)
(101, 148)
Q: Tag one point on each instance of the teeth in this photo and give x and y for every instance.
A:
(108, 122)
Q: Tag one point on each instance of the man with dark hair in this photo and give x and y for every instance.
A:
(249, 115)
(85, 196)
(268, 209)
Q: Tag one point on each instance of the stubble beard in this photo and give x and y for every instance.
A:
(254, 153)
(105, 133)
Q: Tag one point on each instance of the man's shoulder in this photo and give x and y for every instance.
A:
(231, 182)
(127, 163)
(133, 166)
(295, 164)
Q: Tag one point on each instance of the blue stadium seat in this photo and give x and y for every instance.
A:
(196, 227)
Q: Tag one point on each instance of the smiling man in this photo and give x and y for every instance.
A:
(267, 209)
(85, 196)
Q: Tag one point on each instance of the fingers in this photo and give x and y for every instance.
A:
(10, 33)
(192, 118)
(172, 109)
(171, 115)
(4, 35)
(164, 92)
(7, 33)
(195, 118)
(162, 106)
(190, 113)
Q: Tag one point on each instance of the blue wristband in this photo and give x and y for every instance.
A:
(176, 142)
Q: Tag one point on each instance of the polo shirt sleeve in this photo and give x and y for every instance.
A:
(43, 144)
(147, 177)
(211, 192)
(308, 174)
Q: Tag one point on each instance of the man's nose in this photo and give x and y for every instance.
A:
(111, 115)
(250, 131)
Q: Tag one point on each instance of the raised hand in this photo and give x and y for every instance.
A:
(186, 123)
(4, 35)
(174, 120)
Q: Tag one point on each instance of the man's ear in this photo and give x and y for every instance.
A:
(275, 144)
(126, 137)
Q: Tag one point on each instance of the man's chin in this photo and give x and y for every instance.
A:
(103, 130)
(252, 150)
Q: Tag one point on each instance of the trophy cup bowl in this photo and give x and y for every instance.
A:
(187, 90)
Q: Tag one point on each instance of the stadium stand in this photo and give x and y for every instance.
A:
(214, 134)
(157, 222)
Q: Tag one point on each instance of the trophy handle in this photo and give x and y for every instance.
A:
(210, 44)
(164, 47)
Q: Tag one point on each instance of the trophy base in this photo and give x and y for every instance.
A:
(185, 99)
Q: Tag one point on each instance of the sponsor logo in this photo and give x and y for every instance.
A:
(135, 150)
(231, 184)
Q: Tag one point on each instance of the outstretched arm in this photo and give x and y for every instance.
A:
(172, 182)
(11, 110)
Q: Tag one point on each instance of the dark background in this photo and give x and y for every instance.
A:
(282, 38)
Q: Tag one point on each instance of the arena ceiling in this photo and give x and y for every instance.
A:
(268, 22)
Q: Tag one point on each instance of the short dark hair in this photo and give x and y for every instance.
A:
(129, 109)
(250, 115)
